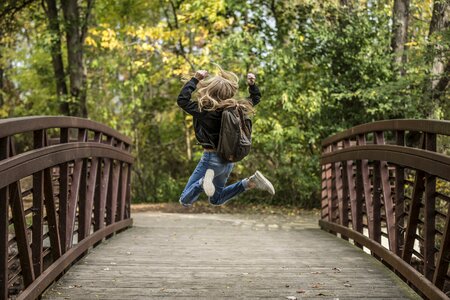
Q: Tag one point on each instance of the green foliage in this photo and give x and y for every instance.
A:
(321, 68)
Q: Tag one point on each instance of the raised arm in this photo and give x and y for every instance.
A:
(255, 94)
(184, 98)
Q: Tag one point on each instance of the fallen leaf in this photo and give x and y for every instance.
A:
(301, 291)
(291, 297)
(316, 285)
(106, 269)
(321, 294)
(347, 284)
(287, 285)
(337, 270)
(317, 272)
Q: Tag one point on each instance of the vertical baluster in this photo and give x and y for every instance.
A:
(399, 198)
(4, 224)
(103, 191)
(38, 209)
(113, 192)
(334, 191)
(376, 200)
(63, 195)
(82, 190)
(123, 191)
(430, 212)
(128, 196)
(444, 254)
(324, 200)
(330, 192)
(387, 196)
(355, 206)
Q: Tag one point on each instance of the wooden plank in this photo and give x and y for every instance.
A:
(429, 214)
(181, 256)
(38, 209)
(399, 198)
(4, 224)
(387, 196)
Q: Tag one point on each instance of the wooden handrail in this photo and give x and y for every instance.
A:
(362, 181)
(79, 193)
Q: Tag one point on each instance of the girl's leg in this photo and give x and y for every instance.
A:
(193, 187)
(223, 194)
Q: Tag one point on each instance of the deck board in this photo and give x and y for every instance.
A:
(206, 256)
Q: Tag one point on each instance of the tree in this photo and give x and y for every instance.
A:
(57, 57)
(76, 28)
(440, 63)
(400, 20)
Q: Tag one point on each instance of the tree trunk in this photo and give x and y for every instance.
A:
(75, 55)
(439, 21)
(437, 83)
(57, 60)
(400, 21)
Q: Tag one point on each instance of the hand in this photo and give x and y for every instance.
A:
(251, 78)
(201, 74)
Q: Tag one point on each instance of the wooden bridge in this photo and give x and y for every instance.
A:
(65, 193)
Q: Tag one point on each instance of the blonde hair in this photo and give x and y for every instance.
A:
(218, 92)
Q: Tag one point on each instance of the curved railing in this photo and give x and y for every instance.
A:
(64, 186)
(386, 187)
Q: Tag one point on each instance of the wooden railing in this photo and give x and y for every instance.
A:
(64, 186)
(386, 187)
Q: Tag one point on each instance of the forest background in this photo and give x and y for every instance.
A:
(322, 66)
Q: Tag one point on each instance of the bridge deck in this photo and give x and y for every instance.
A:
(227, 256)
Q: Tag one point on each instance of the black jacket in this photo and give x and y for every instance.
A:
(207, 123)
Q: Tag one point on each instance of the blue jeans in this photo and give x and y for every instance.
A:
(222, 170)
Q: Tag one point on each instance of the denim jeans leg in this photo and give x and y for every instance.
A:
(224, 194)
(194, 187)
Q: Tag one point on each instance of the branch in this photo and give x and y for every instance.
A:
(84, 27)
(13, 8)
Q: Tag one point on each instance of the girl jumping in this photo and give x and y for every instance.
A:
(216, 93)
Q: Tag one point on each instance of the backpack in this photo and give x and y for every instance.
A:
(235, 138)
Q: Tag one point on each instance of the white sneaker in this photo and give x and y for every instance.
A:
(208, 185)
(262, 182)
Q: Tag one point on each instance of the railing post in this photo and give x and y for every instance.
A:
(63, 196)
(4, 225)
(399, 198)
(38, 209)
(429, 212)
